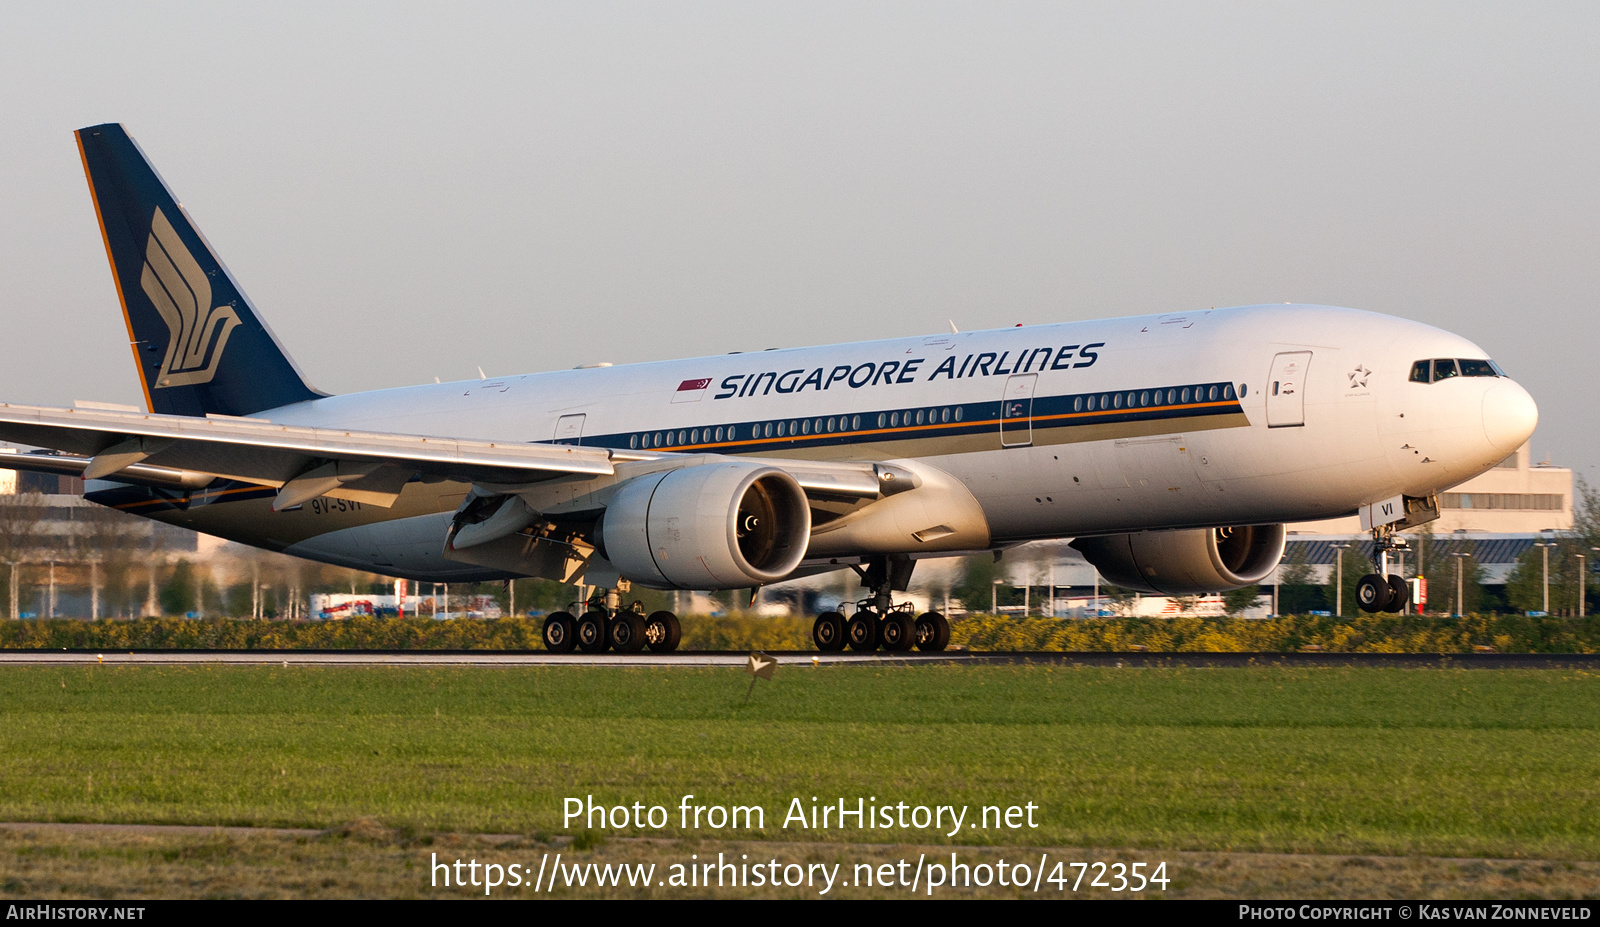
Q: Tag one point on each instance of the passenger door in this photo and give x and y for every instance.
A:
(1286, 397)
(569, 429)
(1016, 410)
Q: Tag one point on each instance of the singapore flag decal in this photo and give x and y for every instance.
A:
(691, 390)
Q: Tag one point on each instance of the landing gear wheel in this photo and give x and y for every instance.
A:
(662, 632)
(897, 632)
(862, 631)
(591, 633)
(627, 633)
(933, 632)
(1401, 593)
(828, 632)
(1373, 593)
(560, 632)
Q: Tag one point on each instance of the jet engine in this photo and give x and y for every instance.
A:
(1188, 561)
(714, 526)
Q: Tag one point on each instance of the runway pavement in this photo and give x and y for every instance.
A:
(789, 658)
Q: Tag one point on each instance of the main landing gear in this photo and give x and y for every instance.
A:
(606, 625)
(1383, 591)
(878, 622)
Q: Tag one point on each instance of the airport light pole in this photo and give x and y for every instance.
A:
(994, 597)
(1581, 570)
(1460, 558)
(1581, 559)
(1338, 582)
(1276, 582)
(1544, 551)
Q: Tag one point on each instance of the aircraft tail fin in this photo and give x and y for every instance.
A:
(199, 344)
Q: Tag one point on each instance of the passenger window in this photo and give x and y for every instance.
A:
(1185, 397)
(794, 428)
(768, 430)
(683, 437)
(1116, 401)
(894, 420)
(1105, 401)
(881, 419)
(958, 413)
(830, 426)
(1144, 398)
(633, 441)
(921, 417)
(944, 414)
(780, 429)
(719, 432)
(1444, 369)
(855, 423)
(1227, 391)
(1077, 403)
(1476, 368)
(1211, 396)
(1091, 403)
(1419, 372)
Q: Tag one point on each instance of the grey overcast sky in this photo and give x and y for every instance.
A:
(413, 190)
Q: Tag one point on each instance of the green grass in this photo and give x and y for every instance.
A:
(1437, 762)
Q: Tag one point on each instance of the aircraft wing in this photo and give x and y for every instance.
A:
(304, 462)
(188, 452)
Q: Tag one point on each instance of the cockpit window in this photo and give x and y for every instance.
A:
(1432, 371)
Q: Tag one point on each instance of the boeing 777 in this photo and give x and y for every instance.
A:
(1173, 447)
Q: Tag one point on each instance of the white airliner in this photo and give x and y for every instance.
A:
(1173, 447)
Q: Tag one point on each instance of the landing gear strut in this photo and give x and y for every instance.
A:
(1383, 591)
(608, 624)
(877, 621)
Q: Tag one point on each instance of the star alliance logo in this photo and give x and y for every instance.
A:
(197, 330)
(1358, 376)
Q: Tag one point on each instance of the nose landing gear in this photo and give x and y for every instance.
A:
(1383, 591)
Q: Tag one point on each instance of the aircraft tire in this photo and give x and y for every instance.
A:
(861, 633)
(560, 632)
(662, 632)
(828, 632)
(1373, 593)
(897, 632)
(933, 632)
(1401, 591)
(626, 633)
(591, 632)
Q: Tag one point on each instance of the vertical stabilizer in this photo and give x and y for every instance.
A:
(199, 344)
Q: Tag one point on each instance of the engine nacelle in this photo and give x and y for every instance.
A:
(1189, 561)
(713, 526)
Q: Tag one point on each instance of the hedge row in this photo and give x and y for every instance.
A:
(1368, 634)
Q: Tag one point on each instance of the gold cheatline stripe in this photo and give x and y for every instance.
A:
(206, 497)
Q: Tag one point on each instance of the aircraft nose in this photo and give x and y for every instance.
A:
(1509, 416)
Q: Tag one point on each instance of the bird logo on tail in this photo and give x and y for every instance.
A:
(181, 292)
